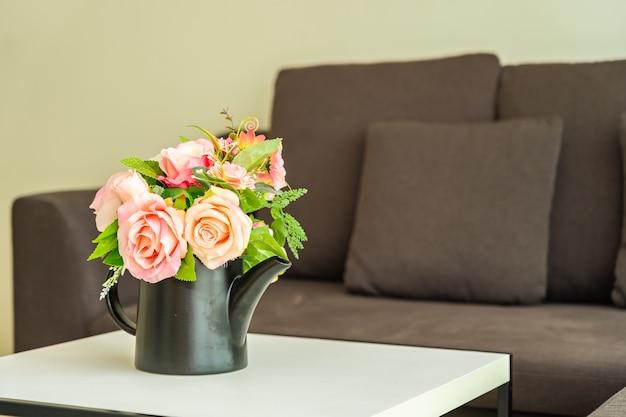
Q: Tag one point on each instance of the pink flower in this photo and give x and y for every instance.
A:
(120, 188)
(275, 175)
(228, 146)
(249, 138)
(177, 162)
(258, 224)
(217, 228)
(235, 175)
(150, 237)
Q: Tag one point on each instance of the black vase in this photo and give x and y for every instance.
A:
(199, 327)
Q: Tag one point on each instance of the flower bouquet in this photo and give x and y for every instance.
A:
(199, 199)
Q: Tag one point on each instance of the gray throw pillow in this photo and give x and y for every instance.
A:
(455, 212)
(323, 112)
(619, 288)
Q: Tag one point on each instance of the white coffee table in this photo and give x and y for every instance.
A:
(286, 376)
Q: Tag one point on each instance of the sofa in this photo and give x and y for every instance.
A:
(453, 202)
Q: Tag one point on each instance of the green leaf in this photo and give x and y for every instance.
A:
(278, 227)
(103, 247)
(295, 234)
(251, 201)
(258, 251)
(158, 190)
(114, 258)
(262, 235)
(289, 196)
(187, 270)
(254, 155)
(265, 188)
(201, 174)
(110, 230)
(180, 204)
(149, 169)
(184, 139)
(211, 136)
(106, 241)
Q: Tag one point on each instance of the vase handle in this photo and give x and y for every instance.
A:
(117, 311)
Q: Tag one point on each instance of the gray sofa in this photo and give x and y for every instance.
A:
(452, 202)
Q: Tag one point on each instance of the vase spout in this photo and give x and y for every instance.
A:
(246, 291)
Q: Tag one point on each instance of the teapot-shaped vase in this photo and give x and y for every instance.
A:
(199, 327)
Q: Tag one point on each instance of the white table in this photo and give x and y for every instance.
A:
(286, 376)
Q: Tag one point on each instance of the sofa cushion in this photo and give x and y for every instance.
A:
(323, 112)
(455, 211)
(613, 407)
(567, 359)
(619, 288)
(587, 215)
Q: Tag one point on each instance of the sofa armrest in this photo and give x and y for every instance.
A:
(55, 289)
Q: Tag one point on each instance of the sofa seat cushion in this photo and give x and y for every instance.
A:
(613, 407)
(455, 211)
(322, 113)
(567, 359)
(587, 210)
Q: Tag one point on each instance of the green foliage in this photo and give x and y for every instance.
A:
(261, 247)
(105, 242)
(201, 174)
(113, 258)
(211, 137)
(278, 231)
(289, 196)
(182, 198)
(255, 155)
(111, 281)
(251, 201)
(285, 226)
(149, 169)
(187, 271)
(267, 241)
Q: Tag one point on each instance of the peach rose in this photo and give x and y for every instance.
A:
(217, 228)
(150, 237)
(177, 162)
(120, 188)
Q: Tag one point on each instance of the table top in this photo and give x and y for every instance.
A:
(286, 376)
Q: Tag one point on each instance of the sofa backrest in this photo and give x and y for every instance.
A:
(587, 208)
(323, 112)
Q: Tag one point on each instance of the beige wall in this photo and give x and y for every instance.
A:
(86, 83)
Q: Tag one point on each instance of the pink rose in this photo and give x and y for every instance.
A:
(150, 237)
(217, 228)
(177, 162)
(120, 188)
(276, 174)
(235, 175)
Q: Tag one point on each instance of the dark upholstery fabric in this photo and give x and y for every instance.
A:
(619, 288)
(613, 407)
(587, 214)
(56, 294)
(455, 211)
(567, 359)
(322, 114)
